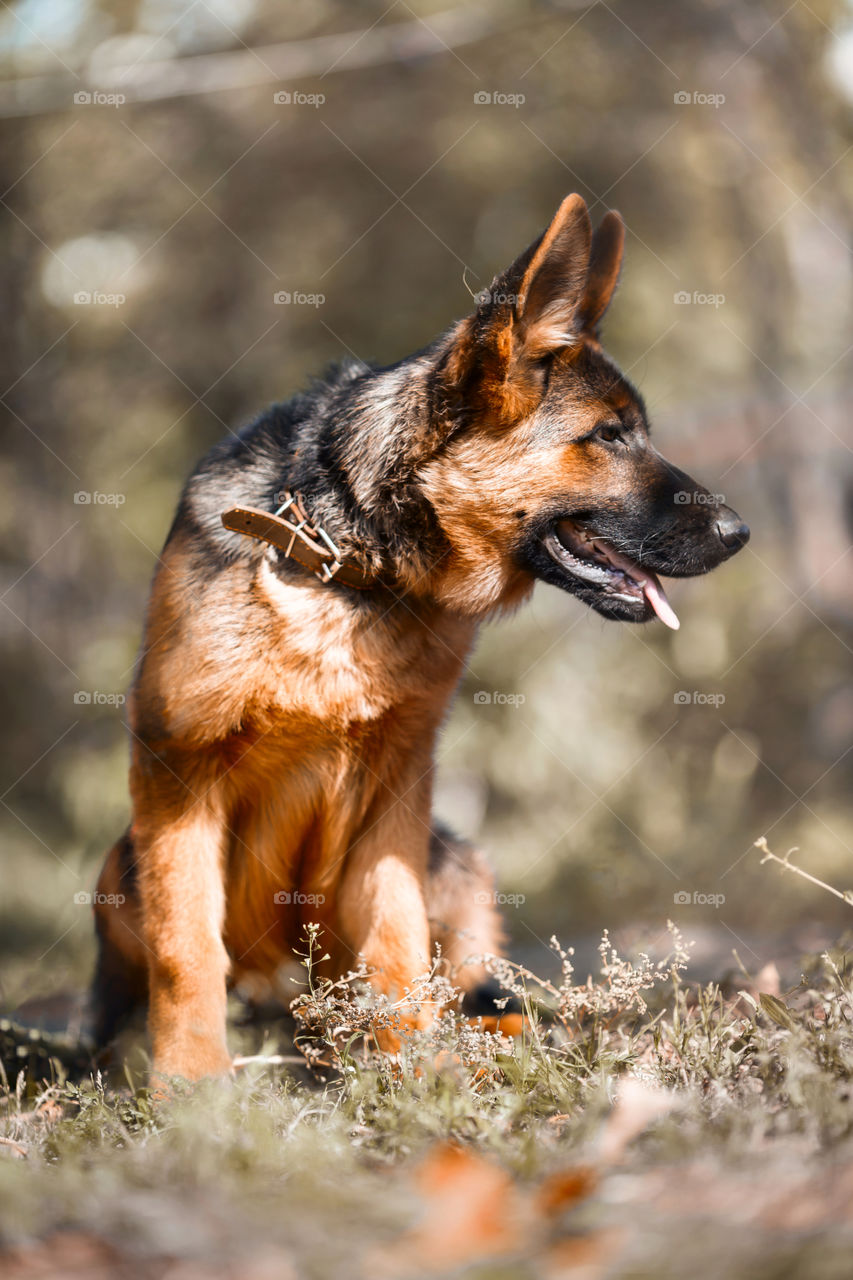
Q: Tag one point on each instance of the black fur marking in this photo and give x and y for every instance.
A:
(443, 847)
(486, 1000)
(351, 445)
(127, 865)
(118, 990)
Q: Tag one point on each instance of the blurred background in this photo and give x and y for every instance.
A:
(205, 203)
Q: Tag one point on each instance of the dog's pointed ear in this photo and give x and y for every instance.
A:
(605, 263)
(551, 289)
(494, 362)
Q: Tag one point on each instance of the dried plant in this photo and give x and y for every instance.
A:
(337, 1018)
(621, 989)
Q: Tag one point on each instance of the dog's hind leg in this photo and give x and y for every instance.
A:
(120, 984)
(463, 915)
(465, 921)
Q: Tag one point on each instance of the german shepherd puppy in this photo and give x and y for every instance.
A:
(296, 667)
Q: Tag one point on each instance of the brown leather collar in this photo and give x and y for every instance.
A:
(299, 539)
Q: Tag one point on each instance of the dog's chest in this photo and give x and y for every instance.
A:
(331, 660)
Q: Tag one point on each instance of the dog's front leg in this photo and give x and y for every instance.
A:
(182, 897)
(383, 910)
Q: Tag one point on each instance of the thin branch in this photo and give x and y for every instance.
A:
(761, 843)
(16, 1148)
(143, 81)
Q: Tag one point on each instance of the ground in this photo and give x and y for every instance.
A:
(639, 1127)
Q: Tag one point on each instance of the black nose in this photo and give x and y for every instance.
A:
(734, 534)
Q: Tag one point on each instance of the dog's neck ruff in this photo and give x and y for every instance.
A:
(291, 532)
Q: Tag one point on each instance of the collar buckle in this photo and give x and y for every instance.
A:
(291, 532)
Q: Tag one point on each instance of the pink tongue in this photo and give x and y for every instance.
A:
(652, 589)
(656, 596)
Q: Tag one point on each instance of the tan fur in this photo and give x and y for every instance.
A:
(283, 743)
(309, 776)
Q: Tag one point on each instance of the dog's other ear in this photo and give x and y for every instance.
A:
(608, 245)
(553, 284)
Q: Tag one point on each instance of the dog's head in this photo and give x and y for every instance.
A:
(546, 469)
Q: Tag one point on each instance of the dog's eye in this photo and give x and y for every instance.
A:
(609, 432)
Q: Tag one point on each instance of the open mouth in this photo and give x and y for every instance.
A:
(600, 566)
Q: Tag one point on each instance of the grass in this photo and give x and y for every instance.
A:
(640, 1127)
